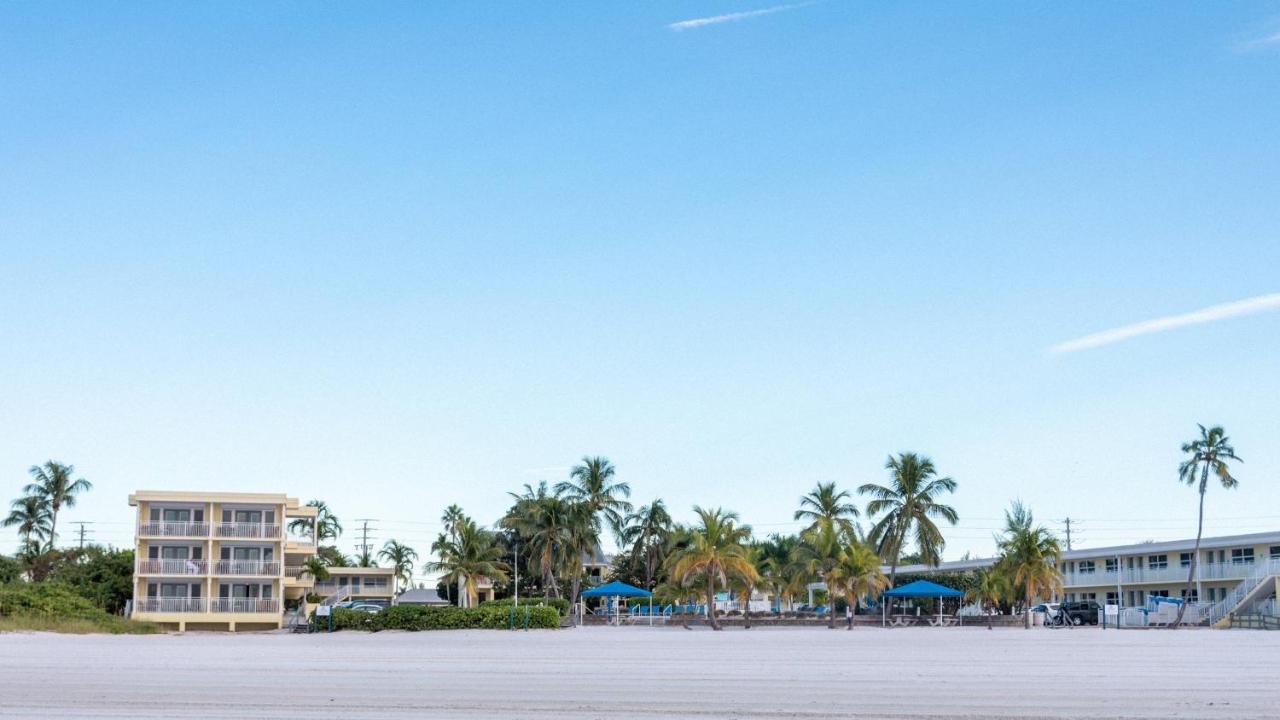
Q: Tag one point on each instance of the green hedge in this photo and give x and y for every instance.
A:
(414, 617)
(560, 604)
(55, 606)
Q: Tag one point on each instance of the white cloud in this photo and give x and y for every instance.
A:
(732, 17)
(1210, 314)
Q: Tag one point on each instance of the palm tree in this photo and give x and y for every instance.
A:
(819, 554)
(325, 524)
(583, 536)
(992, 587)
(910, 505)
(784, 576)
(332, 556)
(473, 556)
(678, 590)
(715, 550)
(825, 506)
(593, 483)
(1210, 451)
(30, 514)
(857, 573)
(1029, 556)
(744, 585)
(54, 484)
(452, 519)
(365, 558)
(316, 568)
(401, 557)
(648, 531)
(542, 520)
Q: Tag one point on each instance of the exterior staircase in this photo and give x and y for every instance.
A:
(1258, 586)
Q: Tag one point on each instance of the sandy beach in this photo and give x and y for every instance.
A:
(647, 673)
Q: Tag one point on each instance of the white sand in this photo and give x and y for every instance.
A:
(646, 673)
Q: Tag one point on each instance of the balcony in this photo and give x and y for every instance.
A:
(1172, 574)
(247, 567)
(170, 605)
(166, 566)
(251, 531)
(173, 529)
(244, 605)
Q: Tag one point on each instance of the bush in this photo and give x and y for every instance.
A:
(414, 618)
(56, 607)
(560, 604)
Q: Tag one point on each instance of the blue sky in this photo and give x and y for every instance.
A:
(404, 257)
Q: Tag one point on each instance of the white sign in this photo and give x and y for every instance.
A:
(324, 611)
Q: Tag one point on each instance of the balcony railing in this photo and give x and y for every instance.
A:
(1172, 574)
(247, 567)
(247, 530)
(168, 566)
(174, 529)
(170, 605)
(244, 605)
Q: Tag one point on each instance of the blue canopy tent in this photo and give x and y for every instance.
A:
(617, 590)
(919, 589)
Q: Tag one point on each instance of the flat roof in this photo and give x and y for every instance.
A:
(213, 496)
(1209, 543)
(344, 570)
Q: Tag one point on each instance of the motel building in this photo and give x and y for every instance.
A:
(218, 561)
(1234, 573)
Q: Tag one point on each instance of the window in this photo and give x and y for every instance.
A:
(249, 516)
(1089, 596)
(174, 553)
(1113, 597)
(177, 515)
(1157, 562)
(1275, 552)
(1112, 564)
(1184, 560)
(1242, 556)
(1159, 593)
(1086, 567)
(1194, 595)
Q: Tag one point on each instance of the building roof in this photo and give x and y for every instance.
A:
(354, 570)
(421, 596)
(1209, 543)
(184, 496)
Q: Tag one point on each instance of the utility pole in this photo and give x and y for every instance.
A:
(81, 532)
(365, 547)
(1068, 521)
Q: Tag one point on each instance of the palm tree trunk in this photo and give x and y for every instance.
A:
(831, 607)
(1027, 619)
(573, 599)
(711, 601)
(897, 553)
(1195, 554)
(53, 525)
(988, 618)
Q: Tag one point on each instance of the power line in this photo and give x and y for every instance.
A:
(82, 530)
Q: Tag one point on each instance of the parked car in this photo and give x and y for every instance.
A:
(367, 608)
(1082, 612)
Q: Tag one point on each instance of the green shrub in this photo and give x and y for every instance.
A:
(560, 604)
(56, 607)
(413, 617)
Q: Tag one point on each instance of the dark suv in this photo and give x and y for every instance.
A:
(1082, 612)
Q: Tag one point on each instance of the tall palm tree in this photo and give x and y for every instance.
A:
(325, 524)
(714, 549)
(992, 587)
(648, 531)
(679, 590)
(785, 577)
(54, 483)
(819, 554)
(583, 536)
(858, 575)
(401, 557)
(744, 585)
(1029, 556)
(452, 519)
(910, 505)
(31, 515)
(592, 482)
(1209, 452)
(473, 556)
(826, 506)
(365, 559)
(542, 520)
